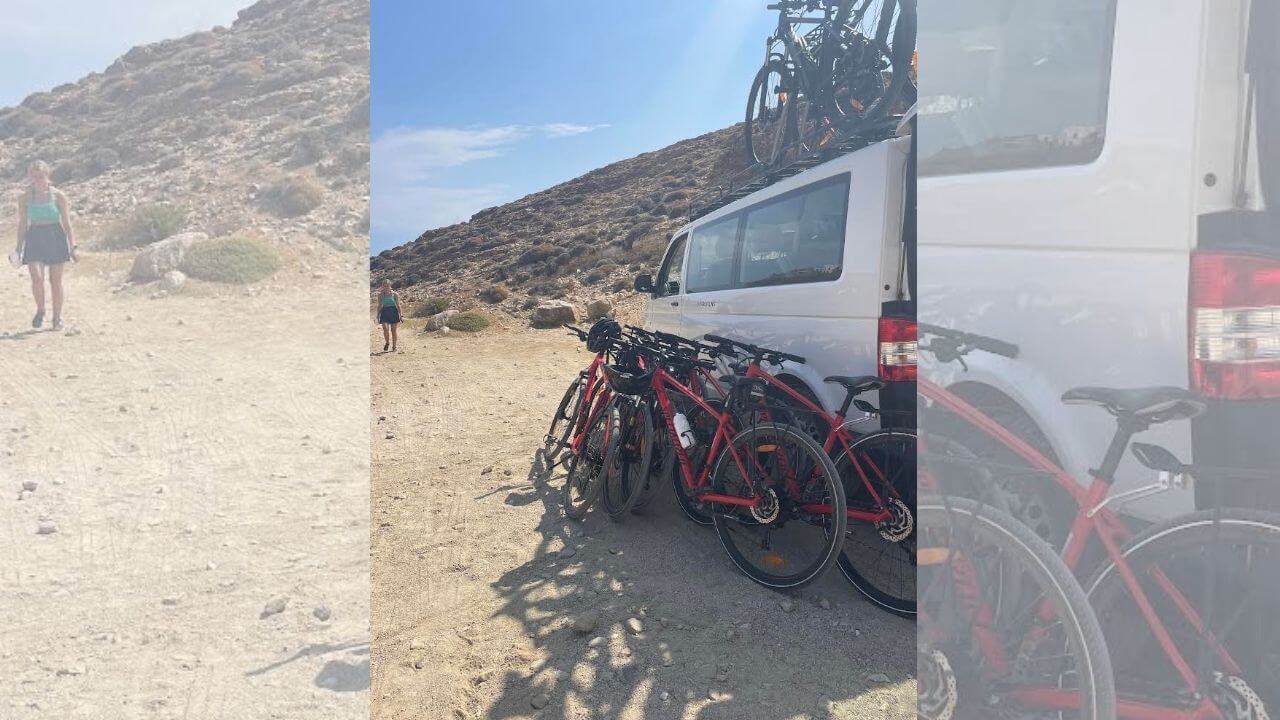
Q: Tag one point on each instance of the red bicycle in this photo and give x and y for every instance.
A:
(877, 470)
(1188, 605)
(772, 493)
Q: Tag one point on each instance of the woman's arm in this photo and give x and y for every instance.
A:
(65, 213)
(22, 222)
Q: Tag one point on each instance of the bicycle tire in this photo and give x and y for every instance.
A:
(900, 599)
(1015, 542)
(1234, 534)
(704, 427)
(730, 524)
(594, 461)
(629, 475)
(556, 439)
(779, 131)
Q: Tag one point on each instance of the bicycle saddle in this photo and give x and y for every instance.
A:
(1150, 404)
(856, 385)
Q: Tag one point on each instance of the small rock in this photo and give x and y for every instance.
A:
(540, 701)
(30, 485)
(568, 552)
(634, 626)
(419, 663)
(825, 604)
(46, 527)
(664, 696)
(878, 677)
(274, 607)
(322, 613)
(597, 641)
(171, 601)
(585, 623)
(487, 470)
(25, 495)
(787, 605)
(417, 644)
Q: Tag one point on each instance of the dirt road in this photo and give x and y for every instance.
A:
(478, 580)
(196, 460)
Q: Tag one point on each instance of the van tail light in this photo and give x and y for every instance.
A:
(897, 342)
(1234, 325)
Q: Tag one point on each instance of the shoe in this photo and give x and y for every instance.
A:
(57, 323)
(385, 346)
(38, 320)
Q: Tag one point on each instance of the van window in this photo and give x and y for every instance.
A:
(1014, 84)
(711, 255)
(798, 238)
(672, 267)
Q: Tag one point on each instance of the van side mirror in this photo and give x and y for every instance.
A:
(644, 283)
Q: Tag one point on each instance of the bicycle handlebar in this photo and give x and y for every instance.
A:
(755, 350)
(963, 341)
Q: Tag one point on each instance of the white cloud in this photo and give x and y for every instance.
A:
(410, 164)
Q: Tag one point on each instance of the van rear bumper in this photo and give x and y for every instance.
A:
(898, 405)
(1238, 435)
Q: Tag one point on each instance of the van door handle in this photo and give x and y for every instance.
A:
(675, 303)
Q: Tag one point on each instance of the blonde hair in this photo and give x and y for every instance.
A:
(39, 166)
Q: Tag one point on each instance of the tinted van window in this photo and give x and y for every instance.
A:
(672, 268)
(711, 255)
(1013, 84)
(798, 238)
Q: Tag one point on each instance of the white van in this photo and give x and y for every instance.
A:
(1090, 190)
(806, 265)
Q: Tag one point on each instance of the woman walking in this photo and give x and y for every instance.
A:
(388, 314)
(46, 239)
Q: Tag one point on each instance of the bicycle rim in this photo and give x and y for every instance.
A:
(562, 421)
(587, 469)
(629, 474)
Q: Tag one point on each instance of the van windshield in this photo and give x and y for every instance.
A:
(1013, 84)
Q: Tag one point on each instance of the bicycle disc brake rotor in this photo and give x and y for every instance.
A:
(898, 527)
(936, 694)
(766, 511)
(1236, 699)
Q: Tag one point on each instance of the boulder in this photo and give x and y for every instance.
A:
(554, 313)
(161, 257)
(440, 321)
(598, 309)
(173, 280)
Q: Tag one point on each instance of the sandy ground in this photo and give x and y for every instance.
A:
(478, 578)
(200, 456)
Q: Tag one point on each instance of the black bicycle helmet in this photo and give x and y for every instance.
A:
(602, 334)
(628, 381)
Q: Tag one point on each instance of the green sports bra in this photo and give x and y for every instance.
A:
(39, 213)
(388, 300)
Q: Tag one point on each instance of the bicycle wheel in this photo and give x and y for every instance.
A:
(794, 535)
(628, 475)
(769, 126)
(1225, 566)
(985, 649)
(879, 559)
(562, 421)
(873, 73)
(587, 469)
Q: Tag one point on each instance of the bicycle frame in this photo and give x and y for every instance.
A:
(837, 436)
(1095, 520)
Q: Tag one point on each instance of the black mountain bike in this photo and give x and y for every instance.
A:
(848, 74)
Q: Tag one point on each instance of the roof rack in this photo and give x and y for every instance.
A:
(758, 177)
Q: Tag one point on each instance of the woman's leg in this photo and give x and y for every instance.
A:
(386, 336)
(37, 284)
(393, 335)
(55, 289)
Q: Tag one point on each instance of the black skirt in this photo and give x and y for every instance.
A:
(389, 315)
(45, 244)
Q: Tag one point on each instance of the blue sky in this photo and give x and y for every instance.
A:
(477, 104)
(44, 44)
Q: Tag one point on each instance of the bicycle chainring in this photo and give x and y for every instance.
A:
(1236, 699)
(900, 526)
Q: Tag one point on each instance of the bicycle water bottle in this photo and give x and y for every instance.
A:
(687, 438)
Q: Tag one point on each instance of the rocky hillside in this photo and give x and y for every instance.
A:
(579, 240)
(261, 126)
